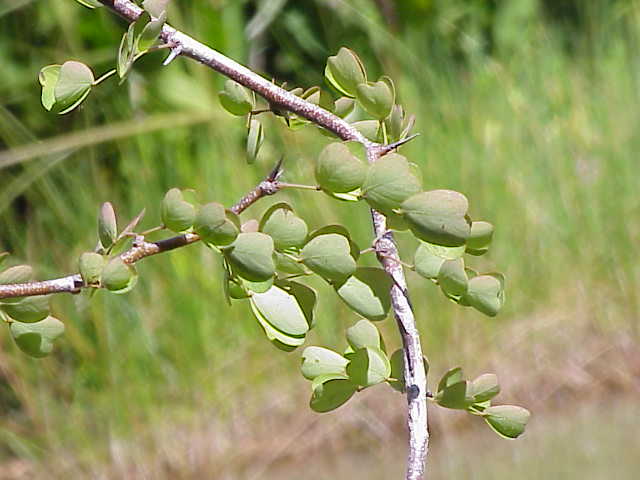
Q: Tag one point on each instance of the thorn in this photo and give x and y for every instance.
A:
(393, 146)
(175, 51)
(277, 171)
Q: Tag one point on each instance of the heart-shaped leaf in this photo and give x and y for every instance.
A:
(479, 238)
(282, 311)
(451, 377)
(395, 123)
(339, 168)
(367, 292)
(368, 366)
(278, 338)
(345, 72)
(36, 339)
(329, 256)
(214, 225)
(429, 258)
(107, 225)
(370, 129)
(377, 98)
(485, 293)
(236, 99)
(17, 274)
(438, 217)
(452, 278)
(150, 33)
(118, 277)
(90, 265)
(343, 106)
(507, 420)
(330, 391)
(251, 256)
(286, 229)
(340, 230)
(318, 361)
(304, 295)
(364, 334)
(177, 214)
(454, 396)
(74, 84)
(390, 181)
(48, 78)
(484, 388)
(28, 309)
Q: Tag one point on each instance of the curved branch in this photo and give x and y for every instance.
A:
(139, 250)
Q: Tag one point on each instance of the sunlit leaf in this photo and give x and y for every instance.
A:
(318, 361)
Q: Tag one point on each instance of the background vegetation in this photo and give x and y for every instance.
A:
(529, 107)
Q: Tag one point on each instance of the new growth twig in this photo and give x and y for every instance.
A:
(140, 248)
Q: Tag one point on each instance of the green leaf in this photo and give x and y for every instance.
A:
(369, 366)
(125, 53)
(484, 388)
(107, 225)
(286, 229)
(343, 106)
(236, 99)
(118, 277)
(278, 338)
(340, 230)
(74, 84)
(36, 339)
(367, 292)
(255, 137)
(155, 7)
(389, 182)
(508, 421)
(329, 256)
(438, 217)
(150, 33)
(377, 98)
(319, 97)
(214, 225)
(282, 311)
(339, 168)
(454, 396)
(485, 293)
(331, 391)
(370, 129)
(287, 263)
(304, 295)
(451, 377)
(364, 334)
(28, 309)
(257, 287)
(318, 361)
(251, 256)
(177, 214)
(479, 238)
(48, 78)
(345, 72)
(90, 265)
(395, 123)
(17, 274)
(453, 278)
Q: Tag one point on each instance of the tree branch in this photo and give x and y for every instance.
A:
(140, 248)
(415, 376)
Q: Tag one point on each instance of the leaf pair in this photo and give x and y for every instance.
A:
(335, 378)
(475, 396)
(65, 86)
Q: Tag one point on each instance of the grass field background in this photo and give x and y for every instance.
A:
(531, 110)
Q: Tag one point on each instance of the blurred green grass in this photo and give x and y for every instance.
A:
(541, 136)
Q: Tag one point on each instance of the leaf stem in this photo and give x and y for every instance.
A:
(103, 77)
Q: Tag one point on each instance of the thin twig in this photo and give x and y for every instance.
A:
(139, 250)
